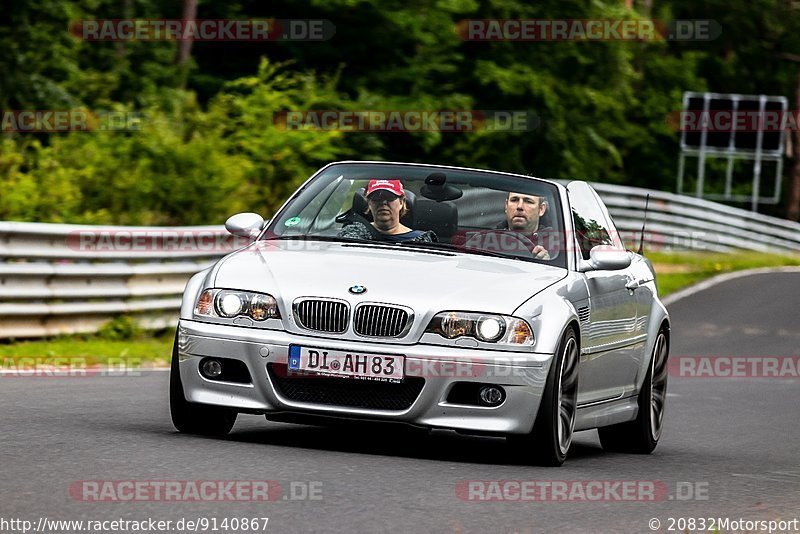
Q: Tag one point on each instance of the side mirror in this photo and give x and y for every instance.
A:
(605, 258)
(245, 224)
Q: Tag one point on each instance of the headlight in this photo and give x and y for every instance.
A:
(490, 328)
(483, 327)
(228, 303)
(263, 307)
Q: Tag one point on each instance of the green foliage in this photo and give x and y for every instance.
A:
(119, 328)
(184, 165)
(208, 145)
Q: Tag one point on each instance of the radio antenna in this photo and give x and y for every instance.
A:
(641, 239)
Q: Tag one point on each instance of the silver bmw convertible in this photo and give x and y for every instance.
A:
(441, 297)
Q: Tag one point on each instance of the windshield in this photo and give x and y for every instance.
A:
(475, 212)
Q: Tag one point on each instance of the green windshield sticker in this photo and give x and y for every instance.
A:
(294, 221)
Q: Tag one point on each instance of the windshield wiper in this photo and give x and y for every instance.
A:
(329, 238)
(456, 248)
(408, 244)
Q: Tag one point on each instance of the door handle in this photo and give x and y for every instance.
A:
(634, 283)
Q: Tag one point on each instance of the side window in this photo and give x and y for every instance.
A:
(591, 226)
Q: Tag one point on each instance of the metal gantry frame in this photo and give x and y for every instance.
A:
(732, 152)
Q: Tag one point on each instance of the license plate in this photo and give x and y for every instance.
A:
(346, 364)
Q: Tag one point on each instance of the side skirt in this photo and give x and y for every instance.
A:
(607, 413)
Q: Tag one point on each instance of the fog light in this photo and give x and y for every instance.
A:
(491, 395)
(211, 369)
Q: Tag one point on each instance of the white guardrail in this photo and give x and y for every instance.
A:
(60, 278)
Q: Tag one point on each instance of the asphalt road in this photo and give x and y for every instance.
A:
(733, 442)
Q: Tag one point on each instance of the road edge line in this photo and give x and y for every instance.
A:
(720, 278)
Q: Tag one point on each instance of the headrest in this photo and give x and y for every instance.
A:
(546, 219)
(360, 205)
(441, 217)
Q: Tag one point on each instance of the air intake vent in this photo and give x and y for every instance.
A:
(377, 320)
(322, 315)
(583, 314)
(348, 392)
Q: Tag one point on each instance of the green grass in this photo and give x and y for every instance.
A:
(142, 350)
(670, 283)
(120, 343)
(675, 271)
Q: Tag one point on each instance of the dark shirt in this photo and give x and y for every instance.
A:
(358, 230)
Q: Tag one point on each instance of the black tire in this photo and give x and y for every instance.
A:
(193, 418)
(549, 441)
(641, 435)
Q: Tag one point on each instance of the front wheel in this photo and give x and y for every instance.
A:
(641, 435)
(193, 418)
(551, 437)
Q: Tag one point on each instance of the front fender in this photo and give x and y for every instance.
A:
(551, 311)
(658, 316)
(192, 290)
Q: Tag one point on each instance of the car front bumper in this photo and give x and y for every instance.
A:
(521, 375)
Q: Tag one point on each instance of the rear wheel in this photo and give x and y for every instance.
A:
(549, 442)
(642, 434)
(193, 418)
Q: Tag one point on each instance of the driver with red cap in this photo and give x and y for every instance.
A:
(386, 201)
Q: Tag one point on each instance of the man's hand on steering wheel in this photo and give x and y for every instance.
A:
(540, 253)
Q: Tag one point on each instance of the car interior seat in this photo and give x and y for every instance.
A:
(441, 217)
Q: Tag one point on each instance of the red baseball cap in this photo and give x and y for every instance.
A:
(393, 186)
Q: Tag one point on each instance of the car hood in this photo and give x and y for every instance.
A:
(423, 280)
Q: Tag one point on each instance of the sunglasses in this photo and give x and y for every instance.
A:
(382, 196)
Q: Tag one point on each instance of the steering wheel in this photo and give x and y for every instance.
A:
(527, 244)
(495, 241)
